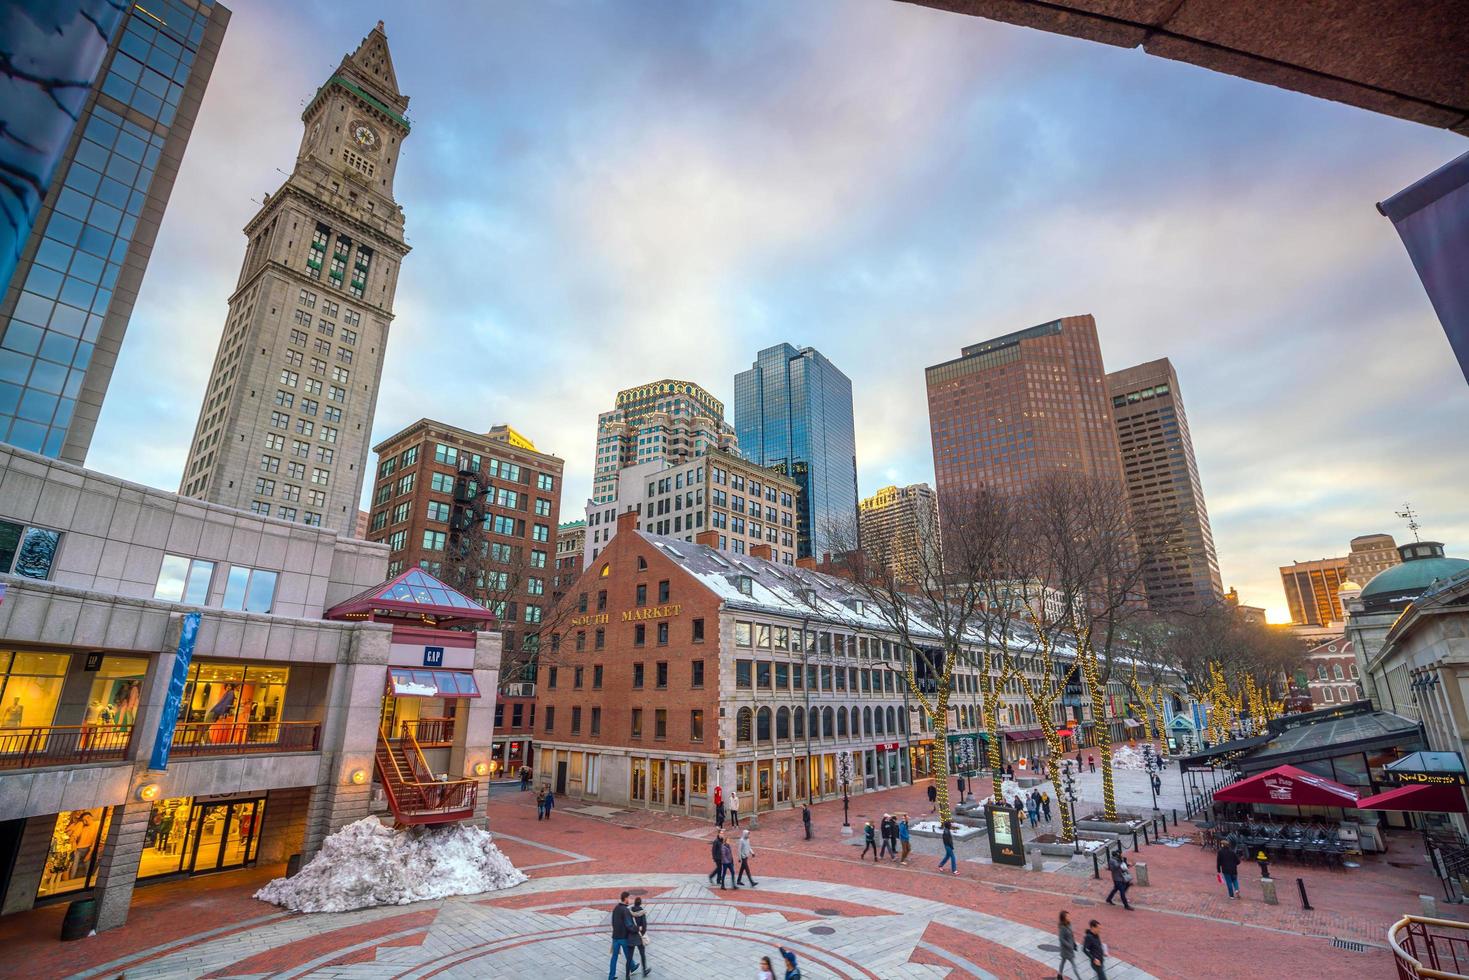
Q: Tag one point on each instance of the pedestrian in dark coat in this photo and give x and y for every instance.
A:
(949, 857)
(889, 845)
(640, 916)
(623, 928)
(716, 851)
(541, 804)
(806, 820)
(1121, 878)
(933, 795)
(550, 801)
(869, 839)
(1226, 862)
(1095, 949)
(727, 865)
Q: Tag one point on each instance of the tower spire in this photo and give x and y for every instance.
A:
(372, 65)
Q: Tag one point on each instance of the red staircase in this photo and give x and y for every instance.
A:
(414, 795)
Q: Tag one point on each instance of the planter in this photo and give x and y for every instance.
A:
(1103, 826)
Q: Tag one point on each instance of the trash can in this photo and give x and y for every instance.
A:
(81, 919)
(293, 865)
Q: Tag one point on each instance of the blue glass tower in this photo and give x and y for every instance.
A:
(793, 412)
(85, 195)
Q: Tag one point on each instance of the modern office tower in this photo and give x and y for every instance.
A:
(897, 524)
(1163, 488)
(664, 421)
(287, 413)
(1010, 410)
(793, 413)
(1311, 590)
(88, 172)
(1370, 554)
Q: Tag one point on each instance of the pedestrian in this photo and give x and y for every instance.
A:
(734, 809)
(716, 851)
(886, 832)
(793, 972)
(933, 795)
(1046, 806)
(640, 937)
(1095, 949)
(806, 819)
(623, 928)
(869, 838)
(1066, 939)
(1033, 808)
(541, 803)
(949, 857)
(719, 808)
(1226, 862)
(767, 972)
(1157, 784)
(746, 852)
(727, 865)
(905, 839)
(1121, 877)
(1091, 762)
(550, 801)
(524, 778)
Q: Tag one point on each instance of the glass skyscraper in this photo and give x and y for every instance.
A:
(793, 412)
(94, 184)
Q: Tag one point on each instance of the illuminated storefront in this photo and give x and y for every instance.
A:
(201, 835)
(71, 862)
(30, 688)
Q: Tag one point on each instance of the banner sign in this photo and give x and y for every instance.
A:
(1401, 777)
(174, 699)
(963, 754)
(1006, 845)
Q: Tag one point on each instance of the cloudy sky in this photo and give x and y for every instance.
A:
(600, 194)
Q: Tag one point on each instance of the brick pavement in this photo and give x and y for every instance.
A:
(990, 921)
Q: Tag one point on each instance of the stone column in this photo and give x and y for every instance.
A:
(117, 868)
(30, 864)
(476, 745)
(283, 831)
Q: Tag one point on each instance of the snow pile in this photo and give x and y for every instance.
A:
(1127, 757)
(365, 864)
(1009, 789)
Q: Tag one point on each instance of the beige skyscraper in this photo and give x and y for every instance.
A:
(666, 421)
(896, 522)
(287, 414)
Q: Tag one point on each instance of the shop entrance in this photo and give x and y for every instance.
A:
(187, 836)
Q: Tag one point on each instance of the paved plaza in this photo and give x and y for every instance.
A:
(844, 917)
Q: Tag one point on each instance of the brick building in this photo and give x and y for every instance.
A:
(413, 494)
(571, 546)
(1331, 673)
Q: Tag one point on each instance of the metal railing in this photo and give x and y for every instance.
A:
(1430, 949)
(63, 745)
(428, 731)
(414, 794)
(246, 737)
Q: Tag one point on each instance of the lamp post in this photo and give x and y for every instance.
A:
(844, 773)
(1070, 789)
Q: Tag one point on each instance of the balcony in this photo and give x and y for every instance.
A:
(1430, 949)
(63, 745)
(246, 738)
(428, 731)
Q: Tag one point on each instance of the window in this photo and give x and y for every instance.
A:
(637, 723)
(275, 442)
(575, 720)
(550, 717)
(661, 673)
(433, 540)
(320, 476)
(642, 595)
(696, 675)
(438, 510)
(541, 532)
(577, 676)
(249, 589)
(660, 723)
(397, 540)
(663, 591)
(264, 487)
(596, 721)
(743, 674)
(183, 579)
(596, 677)
(280, 420)
(552, 674)
(441, 483)
(340, 375)
(289, 378)
(294, 357)
(545, 481)
(270, 464)
(543, 507)
(663, 634)
(601, 640)
(762, 674)
(637, 676)
(742, 634)
(699, 630)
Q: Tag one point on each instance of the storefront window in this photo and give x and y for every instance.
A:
(220, 693)
(117, 687)
(200, 836)
(76, 842)
(30, 688)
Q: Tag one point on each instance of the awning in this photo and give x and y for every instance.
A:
(410, 683)
(1063, 733)
(1419, 798)
(1026, 735)
(1288, 786)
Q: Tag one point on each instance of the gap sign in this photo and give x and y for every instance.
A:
(433, 656)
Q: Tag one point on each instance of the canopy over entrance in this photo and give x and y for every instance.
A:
(1288, 786)
(1419, 798)
(416, 595)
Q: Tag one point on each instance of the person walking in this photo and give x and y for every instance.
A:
(806, 819)
(889, 844)
(1066, 939)
(904, 839)
(623, 928)
(933, 796)
(1121, 878)
(949, 857)
(1033, 808)
(746, 852)
(767, 972)
(793, 972)
(1095, 949)
(716, 851)
(1091, 762)
(734, 809)
(719, 808)
(727, 865)
(1226, 862)
(1046, 806)
(524, 778)
(541, 803)
(869, 839)
(550, 801)
(640, 937)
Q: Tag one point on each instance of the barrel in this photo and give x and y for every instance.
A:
(81, 919)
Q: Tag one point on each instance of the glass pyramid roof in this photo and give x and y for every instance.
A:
(413, 592)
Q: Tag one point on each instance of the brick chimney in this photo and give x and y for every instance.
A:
(707, 538)
(627, 521)
(761, 551)
(806, 563)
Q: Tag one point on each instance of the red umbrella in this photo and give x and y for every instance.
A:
(1288, 786)
(1418, 797)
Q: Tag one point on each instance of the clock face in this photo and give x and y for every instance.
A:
(365, 135)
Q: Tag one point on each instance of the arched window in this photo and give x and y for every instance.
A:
(892, 721)
(866, 721)
(606, 570)
(743, 721)
(642, 564)
(762, 725)
(799, 728)
(828, 723)
(841, 722)
(877, 726)
(783, 723)
(903, 722)
(856, 722)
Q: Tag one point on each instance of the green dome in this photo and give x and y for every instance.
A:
(1399, 585)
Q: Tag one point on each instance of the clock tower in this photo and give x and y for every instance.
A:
(287, 415)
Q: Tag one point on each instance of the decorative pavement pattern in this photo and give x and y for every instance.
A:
(558, 927)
